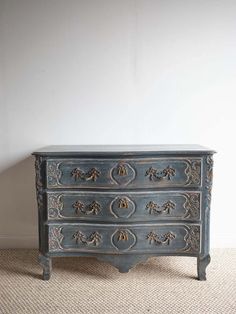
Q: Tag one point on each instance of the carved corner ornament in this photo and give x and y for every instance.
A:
(55, 206)
(193, 172)
(55, 238)
(192, 205)
(192, 239)
(54, 173)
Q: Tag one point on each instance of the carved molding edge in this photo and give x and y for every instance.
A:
(209, 179)
(192, 205)
(39, 181)
(192, 239)
(55, 206)
(193, 172)
(55, 238)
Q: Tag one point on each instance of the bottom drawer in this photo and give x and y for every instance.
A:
(127, 238)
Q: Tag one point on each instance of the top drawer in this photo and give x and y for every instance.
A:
(128, 173)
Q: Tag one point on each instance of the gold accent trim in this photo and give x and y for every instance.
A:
(93, 239)
(164, 239)
(92, 174)
(155, 175)
(166, 207)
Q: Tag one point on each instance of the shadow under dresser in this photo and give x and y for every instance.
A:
(124, 204)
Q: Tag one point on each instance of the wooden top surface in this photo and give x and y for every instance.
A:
(163, 149)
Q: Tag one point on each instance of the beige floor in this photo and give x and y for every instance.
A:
(84, 285)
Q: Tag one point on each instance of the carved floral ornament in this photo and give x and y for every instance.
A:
(192, 239)
(55, 238)
(54, 173)
(55, 206)
(193, 171)
(192, 205)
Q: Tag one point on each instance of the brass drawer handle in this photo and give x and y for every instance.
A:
(123, 203)
(154, 208)
(166, 238)
(123, 235)
(155, 175)
(92, 174)
(122, 170)
(92, 239)
(92, 209)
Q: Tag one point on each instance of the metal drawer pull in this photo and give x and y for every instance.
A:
(92, 239)
(121, 170)
(123, 203)
(166, 238)
(92, 209)
(154, 208)
(123, 235)
(92, 174)
(155, 175)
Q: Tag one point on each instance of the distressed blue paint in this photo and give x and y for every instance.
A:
(124, 234)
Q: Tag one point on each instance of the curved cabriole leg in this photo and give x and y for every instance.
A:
(46, 263)
(202, 263)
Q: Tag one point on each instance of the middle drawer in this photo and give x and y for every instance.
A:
(123, 206)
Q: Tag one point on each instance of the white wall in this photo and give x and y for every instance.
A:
(109, 71)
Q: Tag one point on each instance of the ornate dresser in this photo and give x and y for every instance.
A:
(124, 204)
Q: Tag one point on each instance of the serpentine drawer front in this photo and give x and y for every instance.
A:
(117, 206)
(124, 238)
(124, 204)
(131, 173)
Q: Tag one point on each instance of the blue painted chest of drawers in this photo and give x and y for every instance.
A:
(123, 204)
